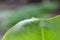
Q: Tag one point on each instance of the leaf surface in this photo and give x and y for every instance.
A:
(35, 29)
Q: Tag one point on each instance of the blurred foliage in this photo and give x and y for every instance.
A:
(35, 29)
(32, 10)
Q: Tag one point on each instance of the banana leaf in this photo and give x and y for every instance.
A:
(35, 29)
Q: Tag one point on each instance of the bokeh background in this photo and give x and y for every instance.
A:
(9, 6)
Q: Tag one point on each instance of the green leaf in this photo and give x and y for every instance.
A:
(29, 11)
(35, 29)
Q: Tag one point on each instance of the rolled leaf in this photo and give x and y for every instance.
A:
(35, 29)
